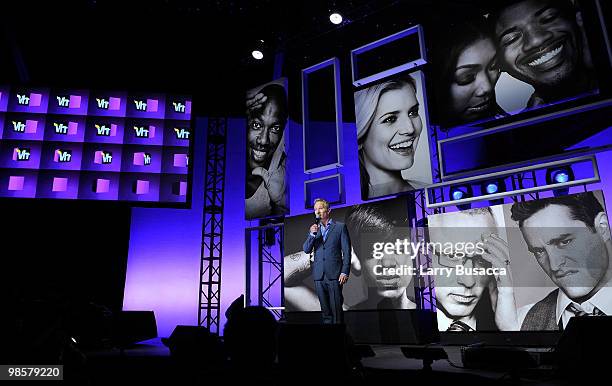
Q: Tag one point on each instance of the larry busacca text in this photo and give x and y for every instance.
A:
(452, 251)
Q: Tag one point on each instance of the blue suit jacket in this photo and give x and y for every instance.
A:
(332, 256)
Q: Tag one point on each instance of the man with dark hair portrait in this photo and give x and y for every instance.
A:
(542, 43)
(570, 239)
(265, 182)
(373, 224)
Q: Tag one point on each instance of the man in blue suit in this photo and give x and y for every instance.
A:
(332, 258)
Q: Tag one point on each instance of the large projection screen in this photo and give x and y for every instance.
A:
(367, 288)
(534, 265)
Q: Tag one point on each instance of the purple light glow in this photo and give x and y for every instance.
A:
(164, 256)
(141, 187)
(15, 183)
(102, 185)
(60, 184)
(35, 99)
(31, 126)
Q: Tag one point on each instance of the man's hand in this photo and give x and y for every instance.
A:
(274, 181)
(255, 102)
(497, 253)
(343, 278)
(296, 268)
(314, 228)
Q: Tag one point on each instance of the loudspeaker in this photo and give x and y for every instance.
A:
(194, 342)
(583, 347)
(131, 327)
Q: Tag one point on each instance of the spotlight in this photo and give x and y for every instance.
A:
(459, 192)
(335, 18)
(559, 175)
(492, 187)
(258, 50)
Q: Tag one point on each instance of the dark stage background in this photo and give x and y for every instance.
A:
(63, 253)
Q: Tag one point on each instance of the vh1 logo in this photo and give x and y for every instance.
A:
(66, 128)
(22, 154)
(61, 155)
(142, 159)
(29, 127)
(144, 131)
(106, 130)
(182, 133)
(31, 99)
(103, 157)
(182, 106)
(149, 106)
(69, 102)
(110, 103)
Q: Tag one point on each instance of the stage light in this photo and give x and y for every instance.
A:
(457, 195)
(258, 49)
(459, 192)
(559, 175)
(335, 18)
(492, 187)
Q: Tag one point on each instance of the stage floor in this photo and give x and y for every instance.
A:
(152, 359)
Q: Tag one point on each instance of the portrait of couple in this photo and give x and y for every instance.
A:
(538, 45)
(556, 267)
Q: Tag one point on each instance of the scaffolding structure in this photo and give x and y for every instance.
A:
(212, 226)
(265, 267)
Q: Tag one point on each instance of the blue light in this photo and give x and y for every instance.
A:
(561, 177)
(492, 188)
(457, 195)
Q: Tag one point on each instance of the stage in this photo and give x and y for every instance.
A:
(151, 360)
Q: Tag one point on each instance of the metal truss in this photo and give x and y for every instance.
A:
(424, 286)
(526, 182)
(269, 267)
(212, 226)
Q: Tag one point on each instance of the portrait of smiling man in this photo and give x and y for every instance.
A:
(569, 237)
(542, 43)
(265, 181)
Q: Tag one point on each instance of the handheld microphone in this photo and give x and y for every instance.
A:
(317, 219)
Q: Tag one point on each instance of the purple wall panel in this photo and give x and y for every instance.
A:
(164, 255)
